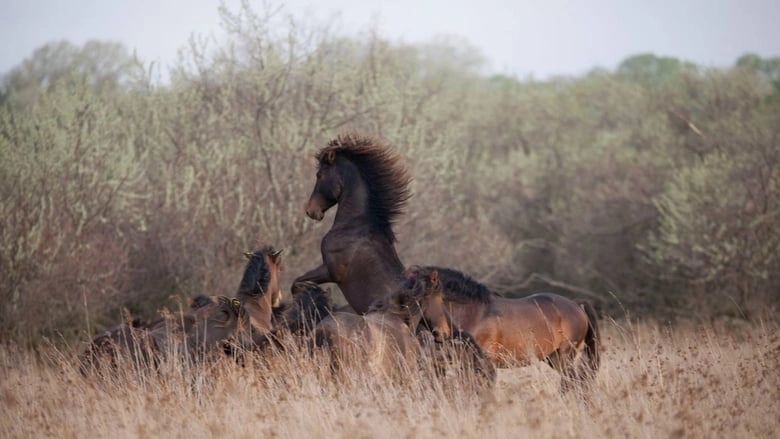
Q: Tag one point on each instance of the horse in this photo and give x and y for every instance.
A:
(382, 340)
(259, 289)
(371, 187)
(298, 317)
(212, 320)
(420, 303)
(513, 331)
(310, 304)
(127, 343)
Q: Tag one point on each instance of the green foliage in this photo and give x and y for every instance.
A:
(769, 67)
(719, 217)
(649, 69)
(68, 177)
(105, 67)
(656, 184)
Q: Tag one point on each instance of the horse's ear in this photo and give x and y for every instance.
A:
(329, 157)
(434, 279)
(276, 255)
(248, 255)
(236, 305)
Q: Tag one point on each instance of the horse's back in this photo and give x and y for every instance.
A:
(374, 341)
(391, 332)
(339, 328)
(549, 301)
(368, 330)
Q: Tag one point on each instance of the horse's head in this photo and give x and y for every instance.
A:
(419, 300)
(261, 275)
(327, 189)
(216, 319)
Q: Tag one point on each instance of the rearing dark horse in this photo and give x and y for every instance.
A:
(370, 185)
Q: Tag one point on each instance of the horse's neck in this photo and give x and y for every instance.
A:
(280, 314)
(353, 203)
(260, 313)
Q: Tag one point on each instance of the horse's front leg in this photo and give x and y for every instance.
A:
(319, 275)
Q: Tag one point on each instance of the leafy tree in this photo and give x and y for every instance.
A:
(103, 66)
(649, 69)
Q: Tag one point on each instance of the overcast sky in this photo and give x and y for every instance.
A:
(521, 37)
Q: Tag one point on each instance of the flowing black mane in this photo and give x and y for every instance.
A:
(381, 169)
(459, 287)
(257, 275)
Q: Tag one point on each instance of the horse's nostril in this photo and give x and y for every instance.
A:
(314, 214)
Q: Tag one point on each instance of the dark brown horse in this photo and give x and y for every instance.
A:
(310, 304)
(259, 289)
(512, 331)
(368, 182)
(297, 317)
(204, 329)
(128, 344)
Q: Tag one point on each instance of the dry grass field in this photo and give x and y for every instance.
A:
(655, 381)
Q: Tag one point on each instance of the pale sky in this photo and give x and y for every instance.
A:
(522, 37)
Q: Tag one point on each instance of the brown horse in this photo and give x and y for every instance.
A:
(368, 182)
(298, 317)
(310, 304)
(259, 289)
(383, 340)
(125, 344)
(512, 331)
(420, 303)
(211, 321)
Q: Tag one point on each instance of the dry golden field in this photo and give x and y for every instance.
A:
(655, 381)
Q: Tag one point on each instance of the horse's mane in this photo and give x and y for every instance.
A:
(383, 172)
(305, 310)
(459, 287)
(250, 283)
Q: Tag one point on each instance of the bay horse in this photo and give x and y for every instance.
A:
(211, 321)
(371, 187)
(512, 331)
(298, 317)
(309, 305)
(420, 303)
(259, 289)
(382, 340)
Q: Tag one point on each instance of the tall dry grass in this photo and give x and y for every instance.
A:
(655, 381)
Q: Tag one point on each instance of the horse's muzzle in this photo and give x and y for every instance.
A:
(438, 337)
(315, 214)
(314, 211)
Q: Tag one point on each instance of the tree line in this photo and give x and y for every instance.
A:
(652, 189)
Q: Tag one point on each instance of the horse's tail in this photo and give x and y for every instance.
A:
(592, 338)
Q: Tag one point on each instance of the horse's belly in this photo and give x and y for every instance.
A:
(513, 345)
